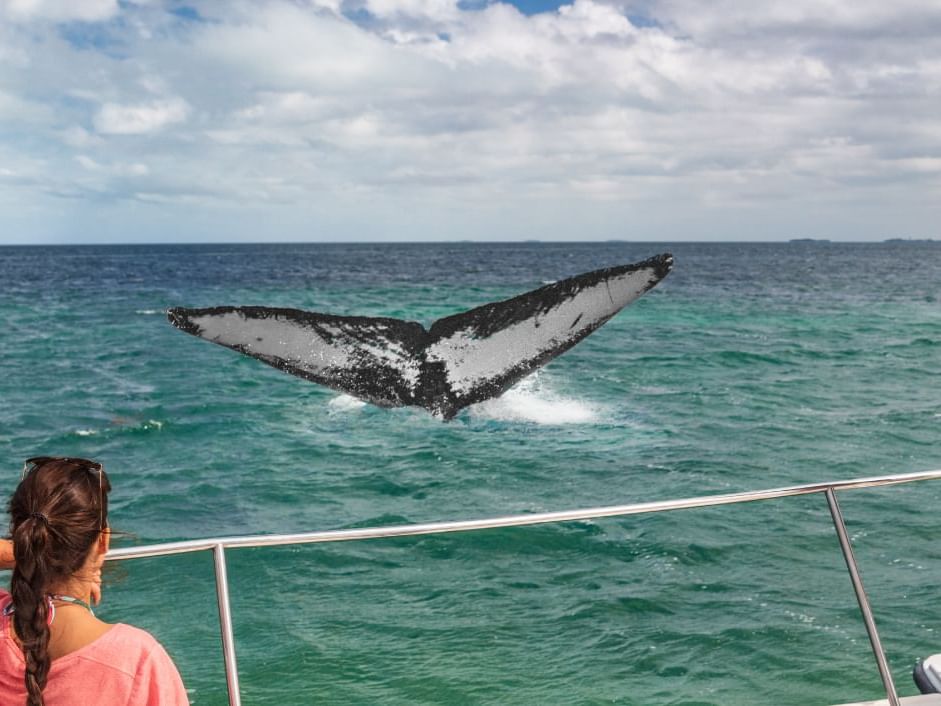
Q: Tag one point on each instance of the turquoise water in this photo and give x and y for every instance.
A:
(751, 366)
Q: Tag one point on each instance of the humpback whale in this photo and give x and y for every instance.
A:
(458, 361)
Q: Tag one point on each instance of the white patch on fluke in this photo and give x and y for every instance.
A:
(470, 360)
(274, 338)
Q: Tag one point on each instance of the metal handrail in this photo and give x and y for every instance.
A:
(272, 540)
(218, 546)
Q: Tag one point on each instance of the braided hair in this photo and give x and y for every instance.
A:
(57, 513)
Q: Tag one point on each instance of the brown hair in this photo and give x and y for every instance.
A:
(57, 513)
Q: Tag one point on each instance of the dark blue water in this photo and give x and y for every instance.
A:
(751, 366)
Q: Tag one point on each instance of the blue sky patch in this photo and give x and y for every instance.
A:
(94, 36)
(534, 7)
(185, 12)
(644, 21)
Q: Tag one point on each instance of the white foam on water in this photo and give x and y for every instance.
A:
(147, 312)
(345, 403)
(85, 432)
(531, 401)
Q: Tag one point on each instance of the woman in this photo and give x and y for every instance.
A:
(53, 650)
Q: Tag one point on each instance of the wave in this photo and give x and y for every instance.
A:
(123, 425)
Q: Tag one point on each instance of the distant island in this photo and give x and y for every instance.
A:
(808, 240)
(908, 240)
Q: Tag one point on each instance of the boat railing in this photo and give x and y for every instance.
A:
(219, 545)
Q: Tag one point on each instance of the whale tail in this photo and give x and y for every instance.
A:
(462, 359)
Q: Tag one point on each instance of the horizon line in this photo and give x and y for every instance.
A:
(532, 241)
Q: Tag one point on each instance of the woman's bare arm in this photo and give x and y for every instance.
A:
(6, 554)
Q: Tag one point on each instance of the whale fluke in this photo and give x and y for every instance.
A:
(462, 359)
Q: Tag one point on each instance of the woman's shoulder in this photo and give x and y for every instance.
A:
(156, 678)
(127, 649)
(127, 637)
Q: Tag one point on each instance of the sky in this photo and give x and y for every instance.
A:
(430, 120)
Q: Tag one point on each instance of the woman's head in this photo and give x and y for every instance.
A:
(58, 514)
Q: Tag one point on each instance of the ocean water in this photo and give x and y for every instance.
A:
(751, 366)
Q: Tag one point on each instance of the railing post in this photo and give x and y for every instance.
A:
(225, 625)
(861, 598)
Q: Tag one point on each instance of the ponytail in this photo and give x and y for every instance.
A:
(28, 588)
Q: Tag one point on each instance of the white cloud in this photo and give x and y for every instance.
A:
(78, 137)
(60, 10)
(434, 10)
(140, 119)
(135, 169)
(279, 107)
(87, 162)
(796, 19)
(14, 109)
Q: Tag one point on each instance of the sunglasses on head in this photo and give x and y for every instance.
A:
(81, 464)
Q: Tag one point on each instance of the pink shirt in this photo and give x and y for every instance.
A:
(126, 666)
